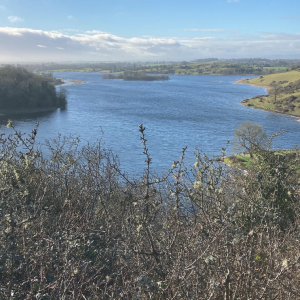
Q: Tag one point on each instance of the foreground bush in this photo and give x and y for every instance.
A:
(74, 227)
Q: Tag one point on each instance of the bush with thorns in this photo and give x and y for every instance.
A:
(73, 226)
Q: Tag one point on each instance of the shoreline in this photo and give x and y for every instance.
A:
(6, 113)
(75, 81)
(134, 80)
(70, 81)
(268, 88)
(244, 81)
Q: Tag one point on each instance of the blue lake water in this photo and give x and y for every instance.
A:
(190, 111)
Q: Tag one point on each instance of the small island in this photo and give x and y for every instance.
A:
(141, 76)
(23, 91)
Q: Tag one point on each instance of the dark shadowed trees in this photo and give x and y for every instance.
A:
(21, 89)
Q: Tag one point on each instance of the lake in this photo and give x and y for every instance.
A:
(193, 111)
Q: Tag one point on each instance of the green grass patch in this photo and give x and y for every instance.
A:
(240, 161)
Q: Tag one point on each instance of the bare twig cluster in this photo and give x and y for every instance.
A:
(72, 227)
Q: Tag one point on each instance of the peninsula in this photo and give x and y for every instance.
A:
(283, 92)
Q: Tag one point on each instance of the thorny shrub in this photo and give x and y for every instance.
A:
(75, 227)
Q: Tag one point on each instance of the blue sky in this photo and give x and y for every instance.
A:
(52, 30)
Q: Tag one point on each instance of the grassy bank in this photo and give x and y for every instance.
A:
(240, 161)
(283, 93)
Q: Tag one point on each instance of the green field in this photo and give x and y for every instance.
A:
(266, 80)
(240, 161)
(275, 68)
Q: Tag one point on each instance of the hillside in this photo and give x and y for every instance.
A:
(283, 93)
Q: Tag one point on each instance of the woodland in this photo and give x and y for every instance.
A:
(24, 90)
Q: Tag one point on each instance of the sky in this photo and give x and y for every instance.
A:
(143, 30)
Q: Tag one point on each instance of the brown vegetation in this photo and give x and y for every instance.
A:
(74, 227)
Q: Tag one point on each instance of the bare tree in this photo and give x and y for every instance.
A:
(251, 137)
(276, 89)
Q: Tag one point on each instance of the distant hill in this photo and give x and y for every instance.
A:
(205, 66)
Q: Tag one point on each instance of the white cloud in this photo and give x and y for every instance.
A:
(24, 44)
(14, 19)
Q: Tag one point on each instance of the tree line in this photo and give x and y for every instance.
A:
(136, 76)
(196, 67)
